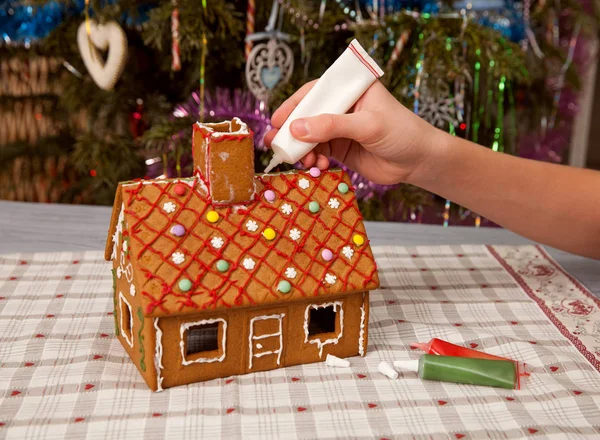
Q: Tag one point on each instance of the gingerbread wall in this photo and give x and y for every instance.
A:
(271, 348)
(140, 335)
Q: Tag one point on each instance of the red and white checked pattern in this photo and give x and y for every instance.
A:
(176, 59)
(152, 244)
(64, 374)
(250, 14)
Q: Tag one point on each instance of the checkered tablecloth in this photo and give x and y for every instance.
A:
(64, 375)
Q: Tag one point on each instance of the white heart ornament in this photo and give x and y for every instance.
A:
(109, 37)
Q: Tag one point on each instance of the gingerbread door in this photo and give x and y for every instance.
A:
(266, 341)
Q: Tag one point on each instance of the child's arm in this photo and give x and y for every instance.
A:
(552, 204)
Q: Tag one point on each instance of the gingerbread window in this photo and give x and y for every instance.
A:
(203, 341)
(323, 324)
(126, 319)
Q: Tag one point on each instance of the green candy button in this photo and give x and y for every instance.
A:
(222, 266)
(313, 207)
(185, 285)
(284, 286)
(343, 188)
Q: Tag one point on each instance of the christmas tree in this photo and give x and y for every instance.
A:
(76, 119)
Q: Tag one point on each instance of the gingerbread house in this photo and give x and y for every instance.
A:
(229, 272)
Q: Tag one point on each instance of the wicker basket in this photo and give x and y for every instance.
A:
(31, 179)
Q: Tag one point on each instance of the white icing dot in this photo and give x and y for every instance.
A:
(119, 272)
(303, 183)
(178, 258)
(249, 263)
(125, 245)
(330, 279)
(259, 345)
(295, 234)
(132, 290)
(169, 207)
(290, 273)
(348, 252)
(217, 242)
(286, 209)
(252, 225)
(334, 203)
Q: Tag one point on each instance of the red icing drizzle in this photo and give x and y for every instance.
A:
(203, 296)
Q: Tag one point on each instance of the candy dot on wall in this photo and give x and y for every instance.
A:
(284, 286)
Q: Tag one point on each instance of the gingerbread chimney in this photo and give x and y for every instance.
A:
(224, 159)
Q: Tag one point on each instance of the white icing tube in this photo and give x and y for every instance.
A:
(335, 93)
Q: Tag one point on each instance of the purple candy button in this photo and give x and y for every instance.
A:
(269, 195)
(178, 231)
(315, 172)
(327, 254)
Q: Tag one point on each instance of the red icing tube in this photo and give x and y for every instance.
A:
(442, 348)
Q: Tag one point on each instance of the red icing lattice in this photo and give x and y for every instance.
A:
(152, 244)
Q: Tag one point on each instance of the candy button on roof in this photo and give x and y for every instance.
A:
(269, 234)
(270, 195)
(222, 266)
(185, 285)
(212, 216)
(358, 240)
(180, 189)
(313, 207)
(343, 188)
(315, 172)
(284, 286)
(327, 255)
(178, 230)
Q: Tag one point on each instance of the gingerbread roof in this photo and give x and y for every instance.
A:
(234, 261)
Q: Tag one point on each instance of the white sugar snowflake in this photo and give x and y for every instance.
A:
(437, 105)
(178, 258)
(286, 209)
(251, 225)
(249, 263)
(132, 290)
(330, 279)
(348, 252)
(295, 234)
(333, 203)
(303, 183)
(290, 273)
(169, 207)
(217, 242)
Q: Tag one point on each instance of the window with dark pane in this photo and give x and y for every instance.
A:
(202, 338)
(126, 318)
(322, 320)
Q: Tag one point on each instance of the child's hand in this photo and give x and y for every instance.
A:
(380, 138)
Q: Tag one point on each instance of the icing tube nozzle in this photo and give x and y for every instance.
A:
(408, 365)
(274, 162)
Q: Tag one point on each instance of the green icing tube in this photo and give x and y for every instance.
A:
(486, 372)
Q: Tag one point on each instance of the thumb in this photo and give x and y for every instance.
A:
(323, 128)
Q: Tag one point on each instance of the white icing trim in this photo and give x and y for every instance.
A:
(118, 231)
(361, 334)
(209, 127)
(252, 338)
(158, 354)
(186, 325)
(321, 344)
(128, 338)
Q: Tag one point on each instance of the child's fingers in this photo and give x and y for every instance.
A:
(322, 162)
(323, 128)
(284, 110)
(309, 160)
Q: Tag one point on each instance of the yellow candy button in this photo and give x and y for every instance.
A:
(358, 240)
(212, 216)
(269, 234)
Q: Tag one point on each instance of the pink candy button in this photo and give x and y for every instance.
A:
(315, 172)
(327, 254)
(270, 195)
